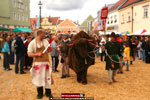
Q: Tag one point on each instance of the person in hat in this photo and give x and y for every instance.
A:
(112, 49)
(41, 72)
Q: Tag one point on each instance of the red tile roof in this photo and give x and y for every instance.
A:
(129, 2)
(53, 20)
(60, 21)
(116, 5)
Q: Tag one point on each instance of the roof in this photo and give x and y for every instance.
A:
(53, 20)
(130, 2)
(60, 21)
(117, 5)
(33, 20)
(70, 23)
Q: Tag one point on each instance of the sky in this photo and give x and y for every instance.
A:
(71, 9)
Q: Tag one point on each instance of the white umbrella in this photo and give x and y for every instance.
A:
(139, 32)
(146, 33)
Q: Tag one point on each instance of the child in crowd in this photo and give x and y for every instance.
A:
(126, 56)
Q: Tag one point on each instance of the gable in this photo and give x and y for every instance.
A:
(45, 21)
(67, 23)
(85, 22)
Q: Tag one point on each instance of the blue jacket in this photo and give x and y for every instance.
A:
(5, 47)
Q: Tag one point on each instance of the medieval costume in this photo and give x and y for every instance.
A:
(112, 49)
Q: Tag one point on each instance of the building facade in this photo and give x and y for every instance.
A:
(67, 26)
(134, 15)
(141, 15)
(47, 23)
(15, 13)
(112, 24)
(100, 21)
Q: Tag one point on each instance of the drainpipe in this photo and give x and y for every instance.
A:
(132, 18)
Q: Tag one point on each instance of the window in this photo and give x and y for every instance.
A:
(123, 18)
(129, 16)
(89, 25)
(13, 3)
(19, 5)
(68, 29)
(115, 17)
(15, 15)
(45, 22)
(24, 7)
(23, 18)
(74, 29)
(20, 0)
(111, 19)
(19, 17)
(146, 12)
(27, 18)
(66, 24)
(63, 30)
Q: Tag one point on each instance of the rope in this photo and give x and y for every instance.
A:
(94, 51)
(111, 58)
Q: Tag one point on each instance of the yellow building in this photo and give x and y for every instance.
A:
(45, 23)
(134, 15)
(50, 24)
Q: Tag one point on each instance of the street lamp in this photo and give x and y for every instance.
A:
(40, 7)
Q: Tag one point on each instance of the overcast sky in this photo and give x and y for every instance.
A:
(71, 9)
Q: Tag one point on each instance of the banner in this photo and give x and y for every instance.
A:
(104, 13)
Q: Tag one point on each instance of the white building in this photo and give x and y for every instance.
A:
(112, 24)
(100, 21)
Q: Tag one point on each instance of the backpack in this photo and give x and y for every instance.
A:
(14, 46)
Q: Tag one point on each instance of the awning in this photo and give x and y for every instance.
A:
(146, 33)
(21, 30)
(3, 29)
(139, 32)
(126, 33)
(108, 33)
